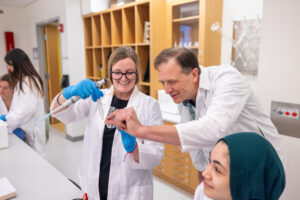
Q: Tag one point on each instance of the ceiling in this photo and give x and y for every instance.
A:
(16, 3)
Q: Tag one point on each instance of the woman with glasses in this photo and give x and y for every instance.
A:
(115, 165)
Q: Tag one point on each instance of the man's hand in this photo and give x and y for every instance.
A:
(126, 119)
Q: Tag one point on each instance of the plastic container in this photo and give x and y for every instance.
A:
(3, 135)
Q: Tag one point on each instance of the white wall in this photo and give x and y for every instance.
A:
(10, 21)
(74, 59)
(23, 21)
(236, 10)
(42, 11)
(279, 70)
(89, 6)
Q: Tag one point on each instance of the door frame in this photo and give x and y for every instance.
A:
(42, 57)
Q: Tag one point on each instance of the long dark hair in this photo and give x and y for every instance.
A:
(23, 67)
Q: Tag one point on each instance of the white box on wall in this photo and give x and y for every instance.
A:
(90, 6)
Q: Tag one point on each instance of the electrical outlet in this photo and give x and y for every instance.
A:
(285, 117)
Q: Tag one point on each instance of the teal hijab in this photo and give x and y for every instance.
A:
(256, 172)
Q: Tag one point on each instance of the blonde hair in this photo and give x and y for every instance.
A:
(121, 53)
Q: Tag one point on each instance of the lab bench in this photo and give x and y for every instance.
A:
(32, 176)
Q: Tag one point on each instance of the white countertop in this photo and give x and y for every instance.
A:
(32, 176)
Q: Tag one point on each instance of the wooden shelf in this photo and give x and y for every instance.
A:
(180, 2)
(143, 44)
(141, 2)
(190, 22)
(116, 29)
(190, 47)
(124, 26)
(87, 21)
(129, 25)
(106, 29)
(143, 15)
(192, 19)
(93, 78)
(145, 83)
(96, 33)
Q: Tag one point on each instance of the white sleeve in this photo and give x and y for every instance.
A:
(74, 112)
(230, 93)
(24, 106)
(150, 153)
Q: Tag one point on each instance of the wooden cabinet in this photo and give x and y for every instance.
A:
(189, 25)
(177, 168)
(124, 26)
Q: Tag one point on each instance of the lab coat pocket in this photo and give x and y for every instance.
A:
(144, 192)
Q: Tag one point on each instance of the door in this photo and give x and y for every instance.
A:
(53, 67)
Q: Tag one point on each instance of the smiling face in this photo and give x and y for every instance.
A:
(178, 85)
(124, 87)
(217, 174)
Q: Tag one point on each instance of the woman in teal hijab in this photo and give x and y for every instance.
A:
(243, 166)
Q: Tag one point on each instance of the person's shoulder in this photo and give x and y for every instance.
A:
(215, 72)
(220, 68)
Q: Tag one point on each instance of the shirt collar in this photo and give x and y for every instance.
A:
(204, 79)
(204, 84)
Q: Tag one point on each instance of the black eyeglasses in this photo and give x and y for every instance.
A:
(119, 75)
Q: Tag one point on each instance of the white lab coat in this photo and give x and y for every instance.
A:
(225, 104)
(3, 108)
(199, 193)
(26, 108)
(128, 179)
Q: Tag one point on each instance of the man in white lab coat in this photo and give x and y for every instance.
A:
(214, 102)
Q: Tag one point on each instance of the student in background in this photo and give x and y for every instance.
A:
(6, 93)
(27, 105)
(6, 96)
(242, 166)
(105, 171)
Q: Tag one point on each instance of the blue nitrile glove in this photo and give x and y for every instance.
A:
(128, 141)
(3, 117)
(84, 89)
(20, 133)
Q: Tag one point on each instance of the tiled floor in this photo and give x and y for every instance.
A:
(65, 156)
